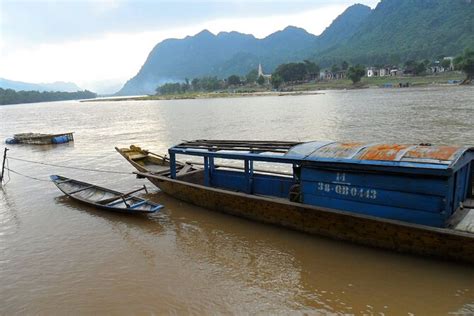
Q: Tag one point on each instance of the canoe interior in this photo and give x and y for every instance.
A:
(143, 160)
(95, 195)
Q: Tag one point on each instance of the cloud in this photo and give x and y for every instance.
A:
(117, 54)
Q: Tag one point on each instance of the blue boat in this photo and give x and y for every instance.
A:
(411, 198)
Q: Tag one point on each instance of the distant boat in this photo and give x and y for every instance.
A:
(404, 197)
(40, 139)
(104, 198)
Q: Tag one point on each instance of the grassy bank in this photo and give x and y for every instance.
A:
(306, 88)
(373, 82)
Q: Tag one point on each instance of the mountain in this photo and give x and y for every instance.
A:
(55, 86)
(400, 30)
(394, 32)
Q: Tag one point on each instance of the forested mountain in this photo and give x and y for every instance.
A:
(395, 31)
(25, 86)
(400, 30)
(224, 54)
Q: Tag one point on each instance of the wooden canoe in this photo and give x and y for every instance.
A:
(104, 198)
(145, 161)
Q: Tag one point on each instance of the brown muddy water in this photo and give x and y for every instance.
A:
(57, 256)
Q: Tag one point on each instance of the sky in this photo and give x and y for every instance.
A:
(100, 44)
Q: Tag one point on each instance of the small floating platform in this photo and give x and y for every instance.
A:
(40, 139)
(104, 198)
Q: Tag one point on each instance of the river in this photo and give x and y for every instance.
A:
(60, 257)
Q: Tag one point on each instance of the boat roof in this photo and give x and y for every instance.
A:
(405, 155)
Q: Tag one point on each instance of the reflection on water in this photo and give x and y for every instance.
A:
(57, 255)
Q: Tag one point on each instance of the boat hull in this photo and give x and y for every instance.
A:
(360, 229)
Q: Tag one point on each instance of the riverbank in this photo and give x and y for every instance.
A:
(312, 88)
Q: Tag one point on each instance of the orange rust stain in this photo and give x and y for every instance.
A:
(382, 152)
(429, 152)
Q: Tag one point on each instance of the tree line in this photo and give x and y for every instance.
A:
(10, 96)
(299, 72)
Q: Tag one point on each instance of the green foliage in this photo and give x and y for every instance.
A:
(296, 71)
(465, 63)
(233, 80)
(276, 81)
(335, 68)
(197, 84)
(171, 88)
(446, 64)
(344, 65)
(10, 96)
(251, 77)
(355, 73)
(411, 30)
(416, 68)
(261, 80)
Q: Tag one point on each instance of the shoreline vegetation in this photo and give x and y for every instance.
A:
(10, 96)
(311, 88)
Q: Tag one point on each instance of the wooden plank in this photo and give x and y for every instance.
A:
(82, 189)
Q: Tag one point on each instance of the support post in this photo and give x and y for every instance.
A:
(248, 169)
(172, 164)
(207, 178)
(3, 165)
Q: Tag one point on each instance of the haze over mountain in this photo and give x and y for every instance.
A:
(393, 32)
(25, 86)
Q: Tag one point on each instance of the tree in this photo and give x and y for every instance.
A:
(261, 80)
(251, 76)
(355, 73)
(420, 68)
(233, 80)
(465, 63)
(276, 81)
(335, 68)
(446, 64)
(345, 65)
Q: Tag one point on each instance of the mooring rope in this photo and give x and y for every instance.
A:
(68, 167)
(24, 175)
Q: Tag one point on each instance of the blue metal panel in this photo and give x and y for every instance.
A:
(395, 182)
(261, 183)
(231, 180)
(374, 195)
(424, 218)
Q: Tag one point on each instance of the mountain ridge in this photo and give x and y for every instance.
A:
(393, 32)
(26, 86)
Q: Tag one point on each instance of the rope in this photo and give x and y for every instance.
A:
(67, 167)
(24, 175)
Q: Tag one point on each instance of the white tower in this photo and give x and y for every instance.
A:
(260, 71)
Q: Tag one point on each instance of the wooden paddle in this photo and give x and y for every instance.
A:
(106, 201)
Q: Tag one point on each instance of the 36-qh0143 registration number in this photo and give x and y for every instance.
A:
(341, 186)
(346, 190)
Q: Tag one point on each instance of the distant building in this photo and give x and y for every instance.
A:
(372, 72)
(260, 73)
